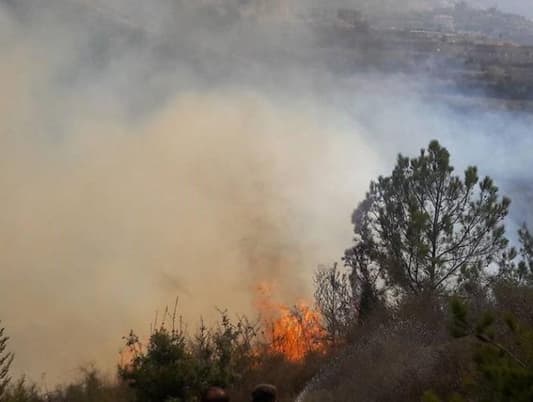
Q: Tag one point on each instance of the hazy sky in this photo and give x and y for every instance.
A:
(522, 7)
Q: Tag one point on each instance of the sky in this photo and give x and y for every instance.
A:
(521, 7)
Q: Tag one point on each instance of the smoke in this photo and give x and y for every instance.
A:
(146, 155)
(114, 204)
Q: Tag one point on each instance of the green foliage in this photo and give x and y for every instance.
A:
(503, 364)
(225, 353)
(171, 367)
(526, 250)
(521, 272)
(6, 359)
(505, 368)
(424, 229)
(164, 371)
(430, 396)
(460, 326)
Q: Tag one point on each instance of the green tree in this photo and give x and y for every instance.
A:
(225, 353)
(424, 229)
(6, 358)
(502, 358)
(521, 272)
(173, 367)
(164, 371)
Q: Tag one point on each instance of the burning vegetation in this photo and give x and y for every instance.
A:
(297, 332)
(292, 332)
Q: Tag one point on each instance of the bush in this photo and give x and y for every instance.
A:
(174, 367)
(91, 387)
(502, 357)
(394, 356)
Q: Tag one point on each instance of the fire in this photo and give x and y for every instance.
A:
(292, 332)
(297, 332)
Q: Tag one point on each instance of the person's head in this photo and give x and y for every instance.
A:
(264, 393)
(215, 394)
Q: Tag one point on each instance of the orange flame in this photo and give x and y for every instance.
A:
(292, 332)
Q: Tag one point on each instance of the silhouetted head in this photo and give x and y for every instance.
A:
(264, 393)
(215, 394)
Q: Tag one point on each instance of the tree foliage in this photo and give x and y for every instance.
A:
(171, 367)
(164, 371)
(425, 229)
(519, 272)
(6, 358)
(502, 356)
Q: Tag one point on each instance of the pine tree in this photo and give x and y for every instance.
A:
(521, 272)
(6, 359)
(425, 230)
(502, 358)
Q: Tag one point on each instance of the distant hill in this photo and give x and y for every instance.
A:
(521, 7)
